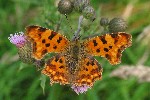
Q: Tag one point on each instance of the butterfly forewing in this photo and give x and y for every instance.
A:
(109, 46)
(45, 41)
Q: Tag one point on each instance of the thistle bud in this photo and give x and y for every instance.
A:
(104, 22)
(89, 13)
(85, 24)
(65, 6)
(79, 5)
(117, 25)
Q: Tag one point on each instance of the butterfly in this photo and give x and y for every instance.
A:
(74, 62)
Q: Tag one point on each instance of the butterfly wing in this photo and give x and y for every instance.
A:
(109, 46)
(45, 41)
(89, 72)
(57, 70)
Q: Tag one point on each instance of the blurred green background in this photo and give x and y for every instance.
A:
(19, 81)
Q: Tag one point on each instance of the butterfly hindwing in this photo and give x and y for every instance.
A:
(89, 72)
(45, 41)
(109, 46)
(56, 69)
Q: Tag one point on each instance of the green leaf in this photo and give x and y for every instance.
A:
(43, 81)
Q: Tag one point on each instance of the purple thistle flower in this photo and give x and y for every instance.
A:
(17, 39)
(80, 89)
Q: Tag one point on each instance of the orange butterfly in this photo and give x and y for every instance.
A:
(74, 62)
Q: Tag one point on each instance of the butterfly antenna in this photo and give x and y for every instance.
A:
(69, 23)
(58, 24)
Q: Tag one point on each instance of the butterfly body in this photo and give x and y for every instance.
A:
(73, 55)
(74, 62)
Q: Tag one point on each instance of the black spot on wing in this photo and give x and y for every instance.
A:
(108, 56)
(83, 76)
(42, 29)
(128, 36)
(97, 50)
(105, 49)
(86, 69)
(94, 71)
(118, 55)
(52, 35)
(59, 40)
(44, 51)
(61, 67)
(95, 43)
(116, 40)
(92, 63)
(39, 34)
(119, 51)
(47, 45)
(30, 28)
(114, 35)
(102, 38)
(43, 41)
(88, 63)
(110, 47)
(55, 47)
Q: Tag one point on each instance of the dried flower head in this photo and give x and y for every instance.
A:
(80, 89)
(18, 39)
